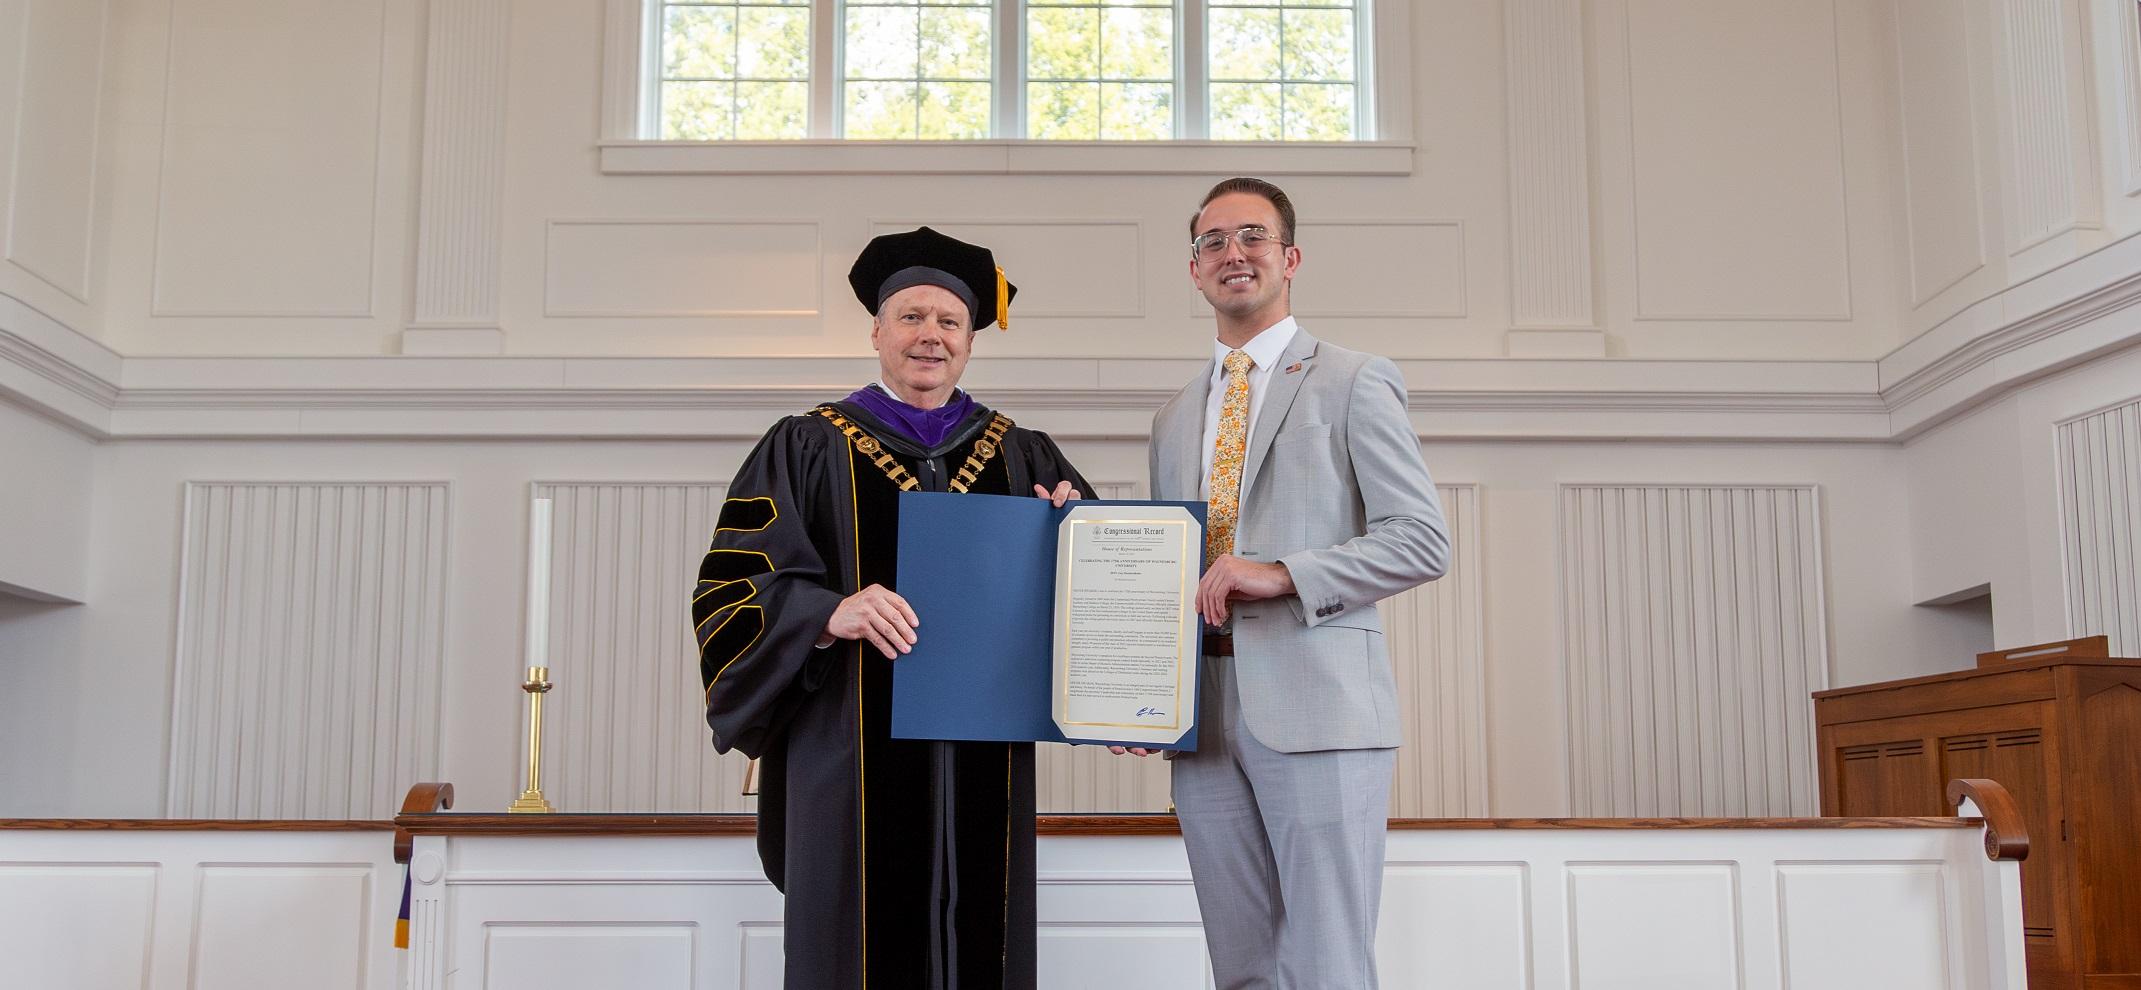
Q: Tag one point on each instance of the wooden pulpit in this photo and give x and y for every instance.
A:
(2060, 726)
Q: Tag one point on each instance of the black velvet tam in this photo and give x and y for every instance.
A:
(892, 262)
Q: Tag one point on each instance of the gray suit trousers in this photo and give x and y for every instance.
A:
(1286, 850)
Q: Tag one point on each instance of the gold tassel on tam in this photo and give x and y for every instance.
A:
(1003, 300)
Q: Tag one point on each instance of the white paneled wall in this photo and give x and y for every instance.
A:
(309, 648)
(1550, 267)
(2050, 148)
(51, 177)
(270, 174)
(1437, 646)
(461, 205)
(2100, 522)
(1694, 630)
(625, 728)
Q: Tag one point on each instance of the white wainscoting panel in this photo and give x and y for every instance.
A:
(625, 728)
(2100, 521)
(269, 176)
(1062, 267)
(1884, 923)
(311, 628)
(86, 925)
(1436, 638)
(1383, 268)
(254, 920)
(1466, 922)
(1939, 144)
(1463, 908)
(763, 957)
(1636, 926)
(1703, 166)
(1085, 956)
(573, 957)
(655, 268)
(51, 204)
(1694, 630)
(187, 909)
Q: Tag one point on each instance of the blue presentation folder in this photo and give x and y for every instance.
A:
(980, 572)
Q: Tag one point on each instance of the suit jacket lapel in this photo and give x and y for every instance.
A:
(1185, 436)
(1283, 388)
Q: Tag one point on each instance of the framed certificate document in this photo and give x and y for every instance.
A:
(1126, 624)
(1041, 624)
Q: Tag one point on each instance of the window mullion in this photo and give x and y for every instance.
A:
(919, 75)
(827, 18)
(1192, 118)
(1008, 88)
(650, 69)
(1364, 63)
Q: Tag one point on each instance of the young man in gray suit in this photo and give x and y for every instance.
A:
(1320, 507)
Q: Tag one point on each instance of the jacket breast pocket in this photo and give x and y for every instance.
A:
(1304, 433)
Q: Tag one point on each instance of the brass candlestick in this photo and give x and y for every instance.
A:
(531, 800)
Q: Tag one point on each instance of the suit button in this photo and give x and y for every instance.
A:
(1335, 609)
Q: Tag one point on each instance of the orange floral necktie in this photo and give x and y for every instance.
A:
(1225, 507)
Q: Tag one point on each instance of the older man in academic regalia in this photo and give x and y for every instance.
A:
(905, 863)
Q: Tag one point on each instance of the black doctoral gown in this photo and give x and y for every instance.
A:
(906, 864)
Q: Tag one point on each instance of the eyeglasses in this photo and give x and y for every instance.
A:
(1255, 242)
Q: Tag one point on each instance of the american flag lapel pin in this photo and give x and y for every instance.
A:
(1291, 368)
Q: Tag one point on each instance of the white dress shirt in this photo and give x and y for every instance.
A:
(1264, 349)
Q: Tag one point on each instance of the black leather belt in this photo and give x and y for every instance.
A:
(1218, 644)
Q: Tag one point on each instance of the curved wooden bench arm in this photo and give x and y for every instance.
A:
(423, 799)
(2005, 835)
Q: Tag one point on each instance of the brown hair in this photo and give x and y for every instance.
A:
(1254, 187)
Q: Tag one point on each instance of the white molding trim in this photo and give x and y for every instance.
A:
(53, 369)
(2064, 317)
(2044, 325)
(1004, 157)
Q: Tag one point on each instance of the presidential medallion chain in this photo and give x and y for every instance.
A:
(985, 448)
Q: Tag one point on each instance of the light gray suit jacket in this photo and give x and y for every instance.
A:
(1333, 487)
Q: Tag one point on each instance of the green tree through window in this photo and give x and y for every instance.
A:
(1090, 70)
(918, 70)
(735, 71)
(1282, 70)
(1100, 70)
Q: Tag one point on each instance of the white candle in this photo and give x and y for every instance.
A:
(539, 584)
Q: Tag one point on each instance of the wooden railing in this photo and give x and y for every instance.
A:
(2005, 837)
